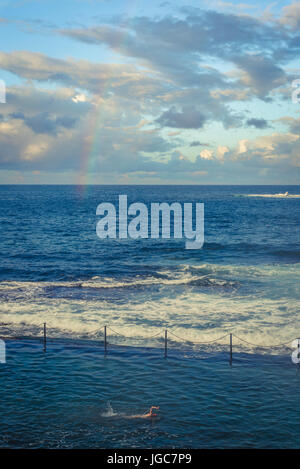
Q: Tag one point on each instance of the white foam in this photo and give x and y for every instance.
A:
(109, 412)
(276, 196)
(167, 277)
(195, 316)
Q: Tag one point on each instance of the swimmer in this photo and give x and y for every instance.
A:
(151, 413)
(146, 415)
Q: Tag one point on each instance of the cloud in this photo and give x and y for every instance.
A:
(291, 16)
(206, 154)
(242, 146)
(122, 78)
(44, 123)
(260, 73)
(292, 124)
(180, 46)
(79, 98)
(174, 70)
(23, 148)
(174, 80)
(278, 149)
(188, 118)
(258, 123)
(222, 150)
(58, 139)
(196, 143)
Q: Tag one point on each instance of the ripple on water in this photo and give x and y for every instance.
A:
(74, 397)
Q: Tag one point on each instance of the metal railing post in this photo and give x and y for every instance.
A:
(45, 337)
(166, 343)
(105, 341)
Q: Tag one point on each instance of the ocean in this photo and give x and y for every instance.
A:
(244, 281)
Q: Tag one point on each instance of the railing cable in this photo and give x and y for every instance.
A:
(132, 337)
(198, 342)
(262, 346)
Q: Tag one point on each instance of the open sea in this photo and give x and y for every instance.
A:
(244, 281)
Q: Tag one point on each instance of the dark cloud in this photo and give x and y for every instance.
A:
(196, 143)
(262, 74)
(188, 118)
(17, 115)
(258, 123)
(44, 123)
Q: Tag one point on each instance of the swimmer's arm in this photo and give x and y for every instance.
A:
(153, 407)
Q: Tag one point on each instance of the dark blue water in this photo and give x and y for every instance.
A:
(73, 397)
(48, 232)
(245, 280)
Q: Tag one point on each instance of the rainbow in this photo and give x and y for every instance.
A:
(91, 148)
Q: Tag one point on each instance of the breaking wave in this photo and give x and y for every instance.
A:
(262, 306)
(277, 196)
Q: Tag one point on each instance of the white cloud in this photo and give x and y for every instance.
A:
(206, 154)
(242, 146)
(222, 150)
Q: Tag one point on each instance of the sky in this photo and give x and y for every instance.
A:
(139, 92)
